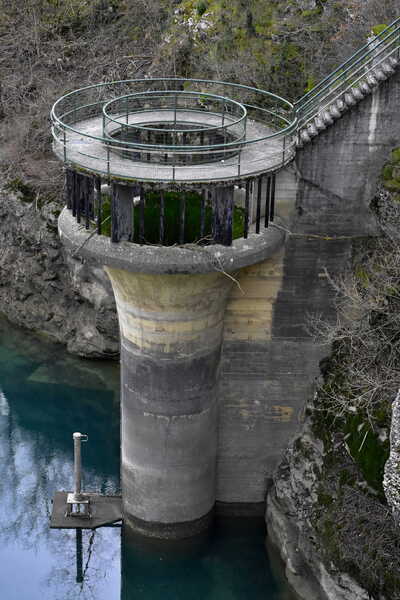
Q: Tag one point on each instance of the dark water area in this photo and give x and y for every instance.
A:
(46, 395)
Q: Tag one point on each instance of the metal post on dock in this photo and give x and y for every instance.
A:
(78, 439)
(76, 499)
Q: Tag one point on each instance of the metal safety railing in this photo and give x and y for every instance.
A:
(243, 130)
(359, 68)
(177, 127)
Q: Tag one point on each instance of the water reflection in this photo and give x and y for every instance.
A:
(37, 417)
(45, 395)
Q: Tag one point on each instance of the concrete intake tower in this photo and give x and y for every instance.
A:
(217, 210)
(170, 184)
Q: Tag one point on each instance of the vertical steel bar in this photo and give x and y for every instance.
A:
(272, 207)
(86, 199)
(214, 208)
(69, 175)
(78, 197)
(162, 217)
(203, 213)
(74, 193)
(141, 216)
(267, 201)
(246, 210)
(97, 185)
(115, 233)
(182, 215)
(65, 144)
(258, 214)
(77, 437)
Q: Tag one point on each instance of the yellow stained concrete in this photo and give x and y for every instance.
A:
(171, 313)
(250, 307)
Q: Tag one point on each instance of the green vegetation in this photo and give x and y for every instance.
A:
(172, 212)
(26, 192)
(352, 413)
(391, 174)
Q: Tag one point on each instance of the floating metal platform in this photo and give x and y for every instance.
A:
(105, 510)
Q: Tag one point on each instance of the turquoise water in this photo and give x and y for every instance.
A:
(45, 395)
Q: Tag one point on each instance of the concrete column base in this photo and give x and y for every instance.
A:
(171, 333)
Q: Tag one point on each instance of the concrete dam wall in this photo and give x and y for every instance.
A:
(269, 362)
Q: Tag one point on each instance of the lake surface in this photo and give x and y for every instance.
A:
(46, 395)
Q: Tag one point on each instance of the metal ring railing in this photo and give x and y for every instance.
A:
(175, 123)
(264, 126)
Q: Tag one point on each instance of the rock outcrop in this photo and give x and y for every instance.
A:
(291, 505)
(42, 290)
(391, 481)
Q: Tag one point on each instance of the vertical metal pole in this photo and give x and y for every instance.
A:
(65, 144)
(272, 206)
(258, 215)
(77, 464)
(79, 180)
(182, 210)
(141, 216)
(202, 213)
(86, 188)
(246, 210)
(162, 217)
(97, 183)
(267, 201)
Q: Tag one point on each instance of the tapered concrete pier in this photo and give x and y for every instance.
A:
(171, 332)
(171, 303)
(179, 186)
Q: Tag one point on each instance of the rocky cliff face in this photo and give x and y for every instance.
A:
(71, 303)
(293, 504)
(333, 509)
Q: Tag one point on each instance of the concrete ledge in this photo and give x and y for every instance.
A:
(187, 259)
(169, 531)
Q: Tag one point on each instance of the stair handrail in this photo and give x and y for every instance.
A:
(388, 38)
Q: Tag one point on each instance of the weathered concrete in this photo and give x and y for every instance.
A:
(269, 361)
(187, 259)
(338, 175)
(171, 333)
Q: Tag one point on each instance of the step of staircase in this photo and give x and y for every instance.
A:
(351, 97)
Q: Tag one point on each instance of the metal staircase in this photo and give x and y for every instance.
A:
(348, 84)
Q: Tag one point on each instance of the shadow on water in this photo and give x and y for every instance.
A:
(45, 395)
(228, 563)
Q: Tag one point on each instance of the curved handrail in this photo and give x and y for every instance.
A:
(290, 121)
(350, 73)
(161, 93)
